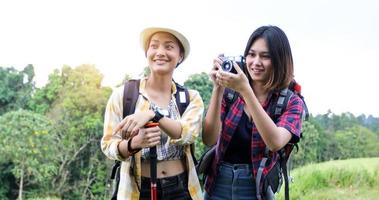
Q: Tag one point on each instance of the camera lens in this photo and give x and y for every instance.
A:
(227, 65)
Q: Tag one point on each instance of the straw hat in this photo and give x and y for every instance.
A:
(148, 32)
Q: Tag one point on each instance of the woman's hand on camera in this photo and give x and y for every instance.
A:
(216, 67)
(237, 82)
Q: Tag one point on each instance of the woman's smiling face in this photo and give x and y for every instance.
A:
(163, 52)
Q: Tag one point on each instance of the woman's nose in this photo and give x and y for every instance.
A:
(257, 60)
(160, 51)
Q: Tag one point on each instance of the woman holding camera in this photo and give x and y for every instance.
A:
(242, 129)
(126, 139)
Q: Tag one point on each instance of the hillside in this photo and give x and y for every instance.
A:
(356, 179)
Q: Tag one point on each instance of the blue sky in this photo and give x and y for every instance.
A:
(335, 44)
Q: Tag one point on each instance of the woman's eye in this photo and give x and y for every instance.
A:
(169, 47)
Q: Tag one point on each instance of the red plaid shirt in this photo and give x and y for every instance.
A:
(230, 117)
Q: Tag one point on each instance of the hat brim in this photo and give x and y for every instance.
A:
(148, 32)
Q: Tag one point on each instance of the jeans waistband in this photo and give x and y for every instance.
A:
(167, 180)
(236, 166)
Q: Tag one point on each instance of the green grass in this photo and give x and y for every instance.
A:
(341, 179)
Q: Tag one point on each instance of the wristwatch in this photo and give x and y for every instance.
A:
(158, 115)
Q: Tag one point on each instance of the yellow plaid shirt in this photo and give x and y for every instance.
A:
(191, 122)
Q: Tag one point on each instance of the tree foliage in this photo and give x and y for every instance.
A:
(333, 137)
(370, 122)
(15, 88)
(332, 122)
(201, 83)
(27, 143)
(355, 142)
(309, 146)
(44, 97)
(54, 146)
(77, 113)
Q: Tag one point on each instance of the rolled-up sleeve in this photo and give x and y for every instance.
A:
(291, 119)
(112, 117)
(191, 120)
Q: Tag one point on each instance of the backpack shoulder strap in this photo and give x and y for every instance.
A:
(182, 101)
(275, 110)
(130, 97)
(131, 92)
(277, 107)
(182, 98)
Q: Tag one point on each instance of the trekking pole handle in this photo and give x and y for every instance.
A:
(151, 124)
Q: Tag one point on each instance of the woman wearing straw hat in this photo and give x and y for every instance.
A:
(164, 49)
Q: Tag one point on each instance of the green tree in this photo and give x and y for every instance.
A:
(356, 142)
(27, 142)
(344, 121)
(332, 122)
(309, 146)
(201, 83)
(44, 97)
(15, 88)
(77, 113)
(370, 122)
(7, 179)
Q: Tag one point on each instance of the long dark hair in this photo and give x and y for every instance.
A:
(281, 56)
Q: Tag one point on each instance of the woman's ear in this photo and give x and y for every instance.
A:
(180, 59)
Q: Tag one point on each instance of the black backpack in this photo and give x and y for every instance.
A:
(131, 93)
(273, 180)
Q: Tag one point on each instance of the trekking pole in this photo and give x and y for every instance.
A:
(153, 166)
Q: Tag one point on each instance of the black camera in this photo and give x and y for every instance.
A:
(227, 63)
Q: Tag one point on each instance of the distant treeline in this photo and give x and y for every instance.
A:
(50, 136)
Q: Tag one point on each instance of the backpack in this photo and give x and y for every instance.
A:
(273, 180)
(204, 163)
(131, 93)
